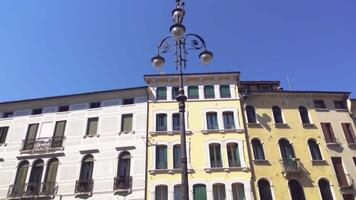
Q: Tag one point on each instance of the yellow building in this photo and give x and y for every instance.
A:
(218, 160)
(289, 157)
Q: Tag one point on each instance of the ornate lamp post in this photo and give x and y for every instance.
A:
(181, 43)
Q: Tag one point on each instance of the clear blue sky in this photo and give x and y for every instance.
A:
(56, 47)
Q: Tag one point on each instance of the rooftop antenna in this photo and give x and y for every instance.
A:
(289, 83)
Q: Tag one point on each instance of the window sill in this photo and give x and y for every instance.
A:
(37, 115)
(127, 105)
(319, 162)
(262, 162)
(84, 195)
(91, 136)
(332, 144)
(167, 171)
(169, 132)
(225, 169)
(254, 125)
(126, 132)
(94, 109)
(3, 144)
(6, 118)
(62, 113)
(341, 109)
(208, 131)
(310, 125)
(322, 109)
(281, 125)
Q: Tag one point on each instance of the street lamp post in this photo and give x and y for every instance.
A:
(181, 43)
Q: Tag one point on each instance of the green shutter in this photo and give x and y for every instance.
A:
(199, 192)
(209, 92)
(126, 122)
(176, 156)
(193, 92)
(225, 91)
(161, 93)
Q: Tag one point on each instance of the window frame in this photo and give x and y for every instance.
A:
(314, 146)
(249, 113)
(89, 120)
(260, 144)
(225, 87)
(278, 115)
(209, 96)
(230, 125)
(4, 130)
(158, 95)
(191, 96)
(211, 120)
(214, 161)
(123, 125)
(161, 161)
(319, 104)
(301, 110)
(161, 128)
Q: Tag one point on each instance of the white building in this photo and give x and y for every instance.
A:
(90, 146)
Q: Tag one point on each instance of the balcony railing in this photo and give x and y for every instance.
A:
(291, 166)
(42, 144)
(122, 184)
(84, 187)
(29, 190)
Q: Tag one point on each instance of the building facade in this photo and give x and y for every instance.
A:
(289, 155)
(218, 162)
(88, 146)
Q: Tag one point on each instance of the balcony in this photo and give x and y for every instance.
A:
(122, 184)
(292, 167)
(32, 190)
(43, 144)
(84, 188)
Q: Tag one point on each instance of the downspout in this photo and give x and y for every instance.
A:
(146, 163)
(253, 177)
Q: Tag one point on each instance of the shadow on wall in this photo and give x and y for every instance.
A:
(264, 119)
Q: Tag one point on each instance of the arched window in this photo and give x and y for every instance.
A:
(215, 155)
(258, 152)
(199, 192)
(161, 192)
(304, 116)
(122, 180)
(251, 114)
(161, 157)
(286, 148)
(50, 177)
(209, 92)
(20, 180)
(238, 191)
(219, 191)
(314, 150)
(34, 183)
(277, 114)
(233, 155)
(85, 182)
(325, 190)
(264, 189)
(296, 190)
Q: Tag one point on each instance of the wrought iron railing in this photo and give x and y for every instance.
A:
(291, 166)
(42, 144)
(122, 183)
(84, 186)
(44, 189)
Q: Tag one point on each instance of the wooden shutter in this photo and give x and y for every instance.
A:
(199, 192)
(339, 170)
(225, 91)
(348, 132)
(193, 92)
(209, 92)
(328, 132)
(176, 156)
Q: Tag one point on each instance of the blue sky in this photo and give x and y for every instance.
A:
(63, 46)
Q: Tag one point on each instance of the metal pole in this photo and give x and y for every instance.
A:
(181, 98)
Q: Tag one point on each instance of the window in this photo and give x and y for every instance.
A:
(193, 92)
(319, 104)
(161, 122)
(63, 108)
(8, 114)
(238, 191)
(126, 123)
(277, 114)
(3, 134)
(161, 192)
(37, 111)
(176, 156)
(296, 190)
(219, 192)
(50, 177)
(161, 157)
(349, 133)
(199, 192)
(233, 155)
(94, 105)
(30, 137)
(161, 93)
(286, 148)
(258, 152)
(122, 180)
(176, 121)
(58, 134)
(215, 155)
(304, 115)
(225, 91)
(314, 150)
(128, 101)
(251, 114)
(20, 180)
(34, 183)
(85, 182)
(328, 133)
(339, 170)
(177, 189)
(325, 191)
(339, 105)
(212, 120)
(229, 122)
(264, 189)
(209, 92)
(92, 126)
(175, 92)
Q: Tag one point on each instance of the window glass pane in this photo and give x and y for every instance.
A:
(339, 104)
(225, 91)
(161, 122)
(212, 121)
(319, 104)
(175, 92)
(233, 155)
(304, 115)
(3, 134)
(193, 92)
(251, 115)
(229, 121)
(258, 150)
(161, 93)
(209, 92)
(176, 121)
(314, 150)
(161, 157)
(94, 105)
(51, 175)
(325, 191)
(31, 136)
(161, 192)
(219, 192)
(199, 192)
(21, 177)
(215, 155)
(87, 168)
(277, 113)
(128, 101)
(123, 171)
(176, 156)
(126, 122)
(328, 132)
(58, 133)
(296, 190)
(264, 190)
(92, 126)
(177, 192)
(238, 191)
